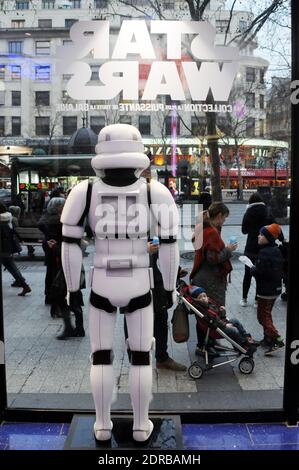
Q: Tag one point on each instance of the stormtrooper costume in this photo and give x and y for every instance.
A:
(121, 211)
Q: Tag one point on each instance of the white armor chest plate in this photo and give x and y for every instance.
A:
(119, 217)
(122, 212)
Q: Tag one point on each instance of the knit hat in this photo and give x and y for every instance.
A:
(271, 232)
(196, 291)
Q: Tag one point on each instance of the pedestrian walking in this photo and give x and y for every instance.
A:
(8, 248)
(256, 216)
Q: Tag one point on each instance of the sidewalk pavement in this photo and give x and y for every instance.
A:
(38, 363)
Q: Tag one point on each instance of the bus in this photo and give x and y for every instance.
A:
(33, 178)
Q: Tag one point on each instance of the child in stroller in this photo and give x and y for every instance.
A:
(212, 319)
(217, 313)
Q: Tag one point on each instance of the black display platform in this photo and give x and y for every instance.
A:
(167, 434)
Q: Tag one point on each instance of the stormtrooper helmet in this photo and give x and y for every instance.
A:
(119, 146)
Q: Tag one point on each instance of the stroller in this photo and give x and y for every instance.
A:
(210, 325)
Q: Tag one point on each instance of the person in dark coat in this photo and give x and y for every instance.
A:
(160, 303)
(256, 216)
(51, 227)
(160, 306)
(268, 271)
(8, 248)
(205, 199)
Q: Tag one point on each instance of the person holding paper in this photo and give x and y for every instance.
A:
(256, 216)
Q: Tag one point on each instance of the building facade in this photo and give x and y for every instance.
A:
(36, 111)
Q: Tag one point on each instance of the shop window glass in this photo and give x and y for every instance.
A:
(44, 23)
(15, 126)
(22, 5)
(42, 98)
(69, 125)
(15, 72)
(42, 48)
(48, 4)
(42, 73)
(145, 125)
(15, 47)
(2, 126)
(97, 123)
(16, 98)
(42, 125)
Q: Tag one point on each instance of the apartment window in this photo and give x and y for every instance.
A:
(250, 74)
(242, 25)
(262, 127)
(42, 98)
(15, 125)
(2, 98)
(44, 23)
(145, 125)
(168, 126)
(22, 5)
(69, 124)
(250, 100)
(262, 76)
(48, 4)
(262, 102)
(198, 125)
(94, 72)
(250, 127)
(76, 3)
(18, 24)
(68, 23)
(42, 47)
(42, 125)
(100, 3)
(42, 73)
(124, 119)
(169, 6)
(221, 26)
(16, 98)
(97, 123)
(15, 47)
(15, 72)
(2, 126)
(2, 71)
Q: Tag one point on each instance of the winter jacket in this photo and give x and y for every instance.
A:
(268, 271)
(51, 227)
(256, 216)
(211, 264)
(6, 233)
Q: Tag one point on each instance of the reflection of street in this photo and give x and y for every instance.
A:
(38, 363)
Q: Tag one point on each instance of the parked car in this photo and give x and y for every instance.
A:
(5, 196)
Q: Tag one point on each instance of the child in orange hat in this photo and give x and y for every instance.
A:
(268, 272)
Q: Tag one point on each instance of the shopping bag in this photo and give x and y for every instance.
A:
(180, 324)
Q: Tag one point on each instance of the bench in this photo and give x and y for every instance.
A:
(30, 236)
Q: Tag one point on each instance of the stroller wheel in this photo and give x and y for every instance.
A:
(195, 371)
(246, 365)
